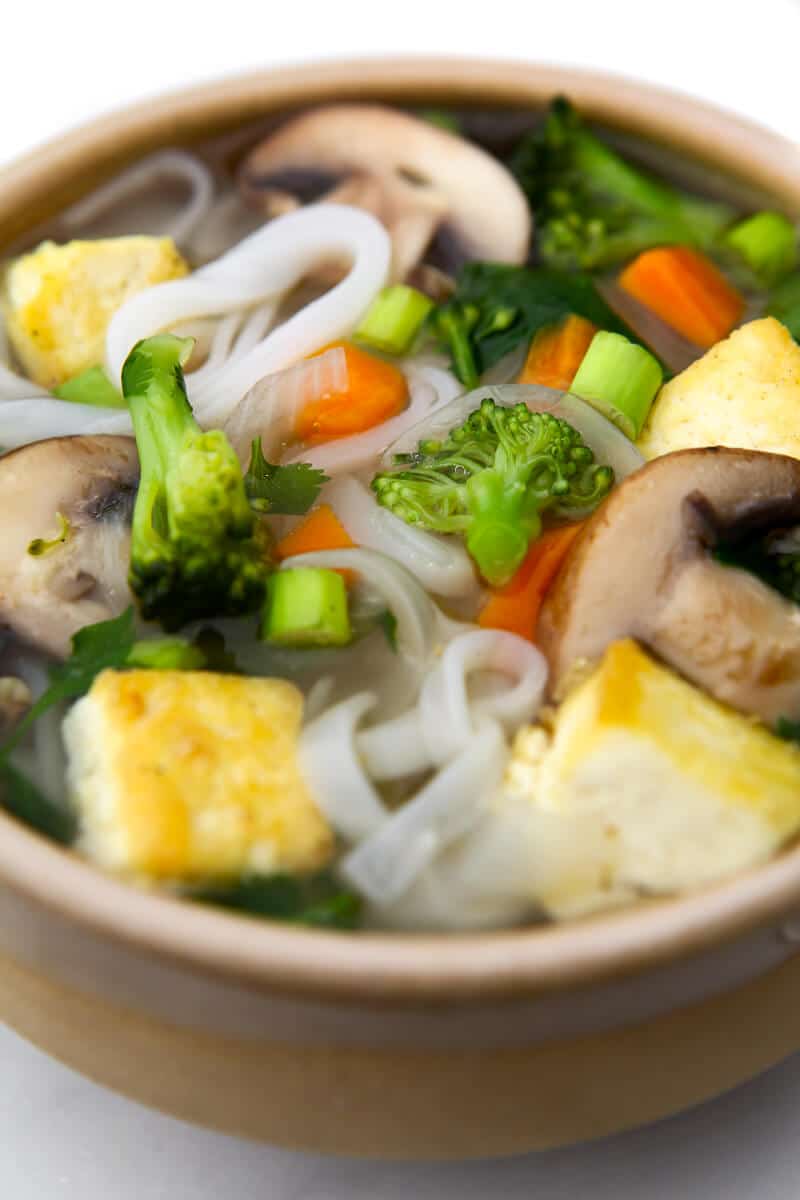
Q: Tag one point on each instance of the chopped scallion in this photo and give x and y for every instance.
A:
(306, 606)
(767, 242)
(91, 387)
(620, 380)
(394, 318)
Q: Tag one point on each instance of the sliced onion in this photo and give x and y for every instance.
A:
(331, 766)
(429, 389)
(271, 408)
(384, 865)
(441, 564)
(610, 446)
(675, 351)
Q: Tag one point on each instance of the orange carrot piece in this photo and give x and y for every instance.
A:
(321, 529)
(686, 290)
(516, 606)
(557, 351)
(376, 391)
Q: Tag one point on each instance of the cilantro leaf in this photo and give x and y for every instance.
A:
(317, 900)
(291, 489)
(23, 800)
(95, 647)
(787, 729)
(388, 623)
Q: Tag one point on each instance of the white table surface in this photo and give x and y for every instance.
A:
(64, 63)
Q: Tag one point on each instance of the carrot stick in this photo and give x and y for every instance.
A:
(557, 351)
(516, 606)
(321, 529)
(686, 290)
(376, 390)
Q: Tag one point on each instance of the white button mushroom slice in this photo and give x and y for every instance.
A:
(419, 180)
(90, 483)
(643, 567)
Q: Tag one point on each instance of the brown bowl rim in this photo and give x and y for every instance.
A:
(378, 967)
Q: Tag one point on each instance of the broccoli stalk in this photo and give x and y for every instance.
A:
(594, 209)
(491, 480)
(195, 550)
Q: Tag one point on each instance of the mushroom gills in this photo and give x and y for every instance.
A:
(84, 487)
(644, 568)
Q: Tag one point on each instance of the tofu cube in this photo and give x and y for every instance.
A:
(744, 392)
(58, 300)
(190, 776)
(647, 785)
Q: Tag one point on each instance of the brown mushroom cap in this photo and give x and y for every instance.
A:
(642, 568)
(91, 482)
(417, 178)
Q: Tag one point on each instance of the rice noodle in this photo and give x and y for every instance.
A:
(38, 418)
(330, 763)
(441, 564)
(421, 626)
(12, 385)
(386, 863)
(166, 164)
(429, 389)
(263, 267)
(444, 721)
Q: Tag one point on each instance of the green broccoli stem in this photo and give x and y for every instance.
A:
(503, 526)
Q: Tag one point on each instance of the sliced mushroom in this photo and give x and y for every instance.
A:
(643, 567)
(80, 489)
(422, 181)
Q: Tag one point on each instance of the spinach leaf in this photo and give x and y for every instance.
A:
(496, 307)
(317, 900)
(23, 800)
(784, 304)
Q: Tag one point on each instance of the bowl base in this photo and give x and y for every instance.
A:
(393, 1103)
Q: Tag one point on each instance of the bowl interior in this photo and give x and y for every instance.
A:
(401, 967)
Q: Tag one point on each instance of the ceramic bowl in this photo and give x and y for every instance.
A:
(379, 1044)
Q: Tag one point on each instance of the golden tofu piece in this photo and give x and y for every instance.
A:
(647, 785)
(744, 392)
(190, 776)
(58, 300)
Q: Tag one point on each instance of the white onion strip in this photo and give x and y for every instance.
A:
(385, 864)
(441, 564)
(362, 450)
(263, 267)
(331, 767)
(166, 164)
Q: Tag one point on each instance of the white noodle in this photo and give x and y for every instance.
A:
(263, 267)
(166, 164)
(330, 764)
(12, 385)
(38, 418)
(386, 863)
(441, 564)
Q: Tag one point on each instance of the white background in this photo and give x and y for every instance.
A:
(63, 63)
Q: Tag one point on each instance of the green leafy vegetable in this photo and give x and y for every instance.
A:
(593, 209)
(312, 900)
(211, 644)
(388, 623)
(787, 729)
(784, 305)
(759, 554)
(290, 490)
(496, 307)
(195, 549)
(40, 546)
(23, 800)
(492, 479)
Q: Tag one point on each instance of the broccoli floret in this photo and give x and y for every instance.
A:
(491, 479)
(195, 547)
(594, 209)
